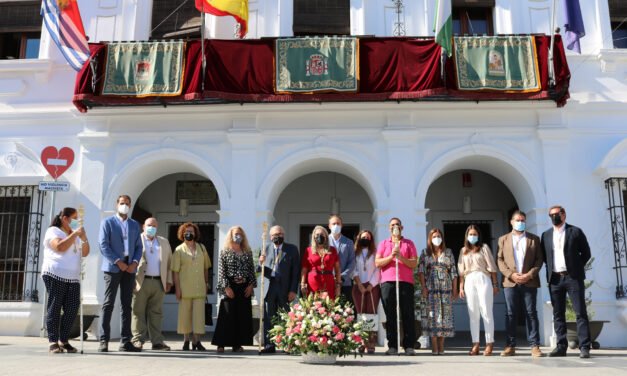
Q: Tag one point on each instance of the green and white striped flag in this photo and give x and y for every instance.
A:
(443, 26)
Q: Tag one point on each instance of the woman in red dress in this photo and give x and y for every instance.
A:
(320, 266)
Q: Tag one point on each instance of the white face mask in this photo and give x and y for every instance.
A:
(123, 209)
(336, 229)
(396, 230)
(436, 241)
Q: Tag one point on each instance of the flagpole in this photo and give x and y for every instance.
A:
(202, 51)
(552, 47)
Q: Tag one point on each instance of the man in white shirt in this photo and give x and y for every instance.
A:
(346, 252)
(566, 252)
(152, 282)
(520, 260)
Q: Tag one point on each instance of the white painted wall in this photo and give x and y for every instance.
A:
(393, 151)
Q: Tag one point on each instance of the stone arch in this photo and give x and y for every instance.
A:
(141, 171)
(308, 161)
(511, 168)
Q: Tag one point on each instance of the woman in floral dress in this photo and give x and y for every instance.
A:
(438, 277)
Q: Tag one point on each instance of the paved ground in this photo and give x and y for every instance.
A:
(29, 356)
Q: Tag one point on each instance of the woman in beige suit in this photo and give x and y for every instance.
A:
(190, 270)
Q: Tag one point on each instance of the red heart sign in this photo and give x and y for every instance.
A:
(56, 161)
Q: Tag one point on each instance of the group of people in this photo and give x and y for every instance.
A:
(143, 267)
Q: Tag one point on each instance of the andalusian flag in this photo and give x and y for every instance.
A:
(63, 21)
(443, 27)
(236, 8)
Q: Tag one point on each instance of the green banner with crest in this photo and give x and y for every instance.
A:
(503, 63)
(142, 69)
(314, 65)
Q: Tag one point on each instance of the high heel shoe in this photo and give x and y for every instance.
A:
(198, 347)
(186, 346)
(488, 349)
(475, 349)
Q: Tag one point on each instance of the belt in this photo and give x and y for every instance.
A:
(562, 274)
(152, 276)
(322, 271)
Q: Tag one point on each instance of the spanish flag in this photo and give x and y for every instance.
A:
(236, 8)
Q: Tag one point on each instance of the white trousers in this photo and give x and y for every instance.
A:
(479, 297)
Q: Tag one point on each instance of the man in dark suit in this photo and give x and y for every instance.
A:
(121, 248)
(566, 252)
(281, 263)
(520, 260)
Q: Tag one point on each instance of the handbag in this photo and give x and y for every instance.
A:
(208, 313)
(371, 318)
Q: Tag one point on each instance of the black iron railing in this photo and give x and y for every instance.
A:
(21, 215)
(617, 195)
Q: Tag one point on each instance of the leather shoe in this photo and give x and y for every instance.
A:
(558, 351)
(104, 346)
(584, 353)
(268, 350)
(161, 346)
(128, 347)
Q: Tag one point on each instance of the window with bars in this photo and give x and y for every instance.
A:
(618, 20)
(617, 196)
(20, 29)
(321, 17)
(473, 17)
(21, 215)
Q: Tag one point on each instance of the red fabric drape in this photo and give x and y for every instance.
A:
(390, 69)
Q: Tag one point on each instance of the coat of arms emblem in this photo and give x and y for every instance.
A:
(142, 70)
(317, 65)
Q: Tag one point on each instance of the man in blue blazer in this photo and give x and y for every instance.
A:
(346, 252)
(281, 263)
(121, 248)
(566, 252)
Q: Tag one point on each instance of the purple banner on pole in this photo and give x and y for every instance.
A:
(573, 28)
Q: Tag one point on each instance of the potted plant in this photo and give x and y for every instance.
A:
(571, 317)
(320, 329)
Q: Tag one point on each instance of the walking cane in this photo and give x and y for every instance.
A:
(81, 212)
(397, 243)
(262, 335)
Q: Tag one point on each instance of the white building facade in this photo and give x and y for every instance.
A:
(432, 164)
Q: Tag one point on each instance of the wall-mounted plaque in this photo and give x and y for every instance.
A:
(198, 192)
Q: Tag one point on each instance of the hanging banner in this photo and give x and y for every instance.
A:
(315, 65)
(504, 63)
(143, 69)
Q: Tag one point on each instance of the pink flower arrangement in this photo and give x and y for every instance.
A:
(321, 325)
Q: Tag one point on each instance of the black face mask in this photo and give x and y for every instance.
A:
(363, 243)
(320, 239)
(189, 236)
(277, 240)
(556, 219)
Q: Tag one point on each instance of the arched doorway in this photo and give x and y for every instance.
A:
(310, 199)
(463, 197)
(173, 200)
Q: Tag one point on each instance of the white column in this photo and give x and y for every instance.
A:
(553, 133)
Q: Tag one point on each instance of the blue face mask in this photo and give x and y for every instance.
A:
(473, 239)
(74, 224)
(519, 225)
(151, 231)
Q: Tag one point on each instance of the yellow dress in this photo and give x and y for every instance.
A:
(191, 271)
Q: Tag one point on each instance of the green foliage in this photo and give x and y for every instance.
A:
(570, 311)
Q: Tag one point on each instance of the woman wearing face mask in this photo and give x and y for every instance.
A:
(63, 241)
(366, 290)
(438, 277)
(477, 271)
(236, 281)
(190, 272)
(320, 272)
